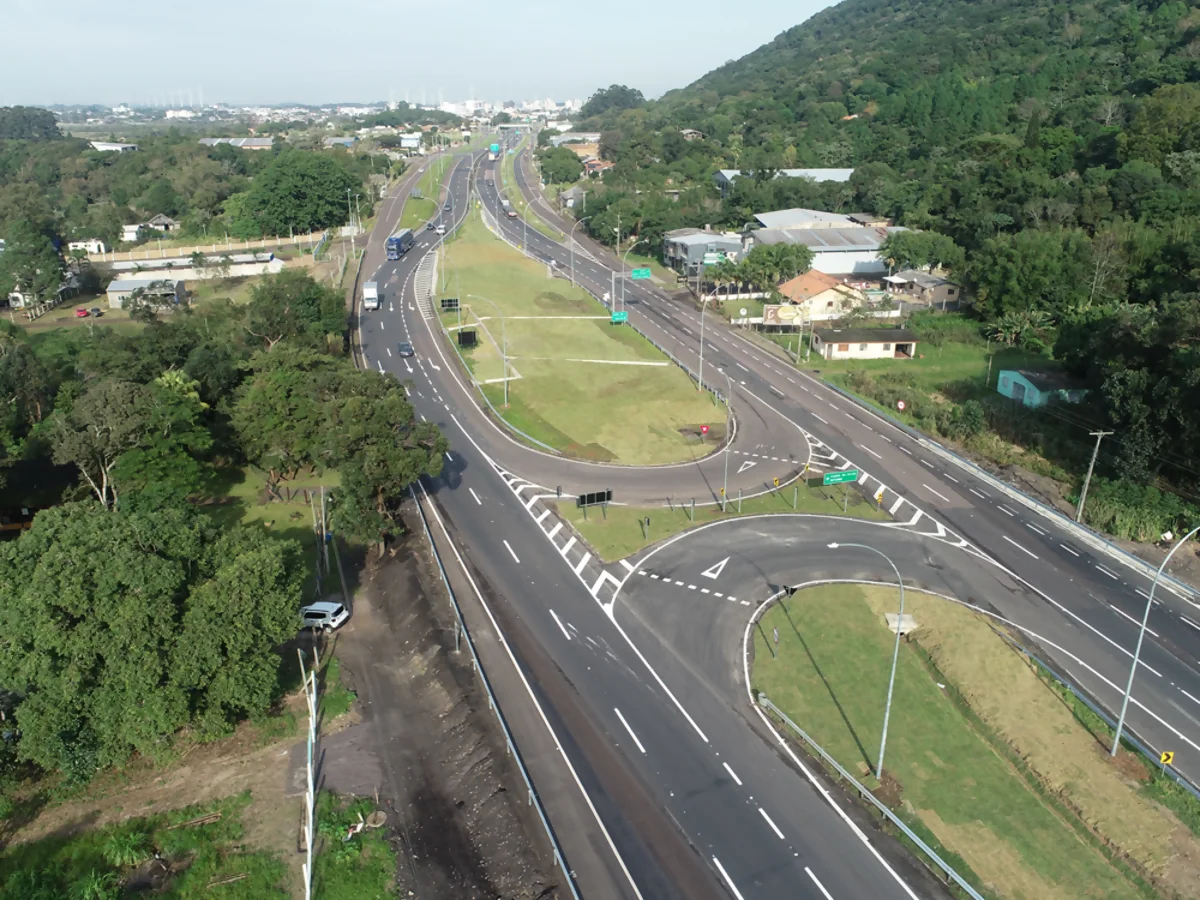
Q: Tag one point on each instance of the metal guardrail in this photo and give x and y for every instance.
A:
(866, 794)
(1152, 756)
(322, 246)
(1084, 534)
(531, 792)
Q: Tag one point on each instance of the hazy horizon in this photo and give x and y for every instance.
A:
(148, 54)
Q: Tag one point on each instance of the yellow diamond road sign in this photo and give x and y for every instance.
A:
(1167, 757)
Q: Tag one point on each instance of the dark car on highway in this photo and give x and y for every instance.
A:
(405, 348)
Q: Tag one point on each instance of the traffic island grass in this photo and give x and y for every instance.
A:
(577, 383)
(983, 757)
(193, 852)
(510, 189)
(420, 209)
(618, 532)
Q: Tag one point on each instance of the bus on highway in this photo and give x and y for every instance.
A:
(399, 243)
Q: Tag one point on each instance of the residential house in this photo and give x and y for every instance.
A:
(821, 296)
(162, 223)
(924, 287)
(684, 249)
(129, 233)
(163, 290)
(1034, 387)
(726, 177)
(91, 245)
(571, 197)
(247, 143)
(691, 134)
(594, 167)
(864, 343)
(112, 147)
(216, 265)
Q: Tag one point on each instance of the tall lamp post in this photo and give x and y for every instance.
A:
(887, 710)
(728, 438)
(503, 340)
(624, 257)
(571, 241)
(1137, 653)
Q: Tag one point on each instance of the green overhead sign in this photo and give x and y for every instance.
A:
(842, 477)
(620, 318)
(640, 274)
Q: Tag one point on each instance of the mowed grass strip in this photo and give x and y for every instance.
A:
(617, 532)
(956, 778)
(419, 210)
(586, 387)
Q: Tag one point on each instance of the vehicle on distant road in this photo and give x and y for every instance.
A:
(399, 243)
(447, 206)
(429, 226)
(441, 229)
(371, 295)
(404, 348)
(324, 615)
(512, 213)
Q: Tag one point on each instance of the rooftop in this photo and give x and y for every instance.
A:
(132, 284)
(866, 335)
(827, 240)
(804, 218)
(698, 237)
(914, 276)
(814, 174)
(806, 286)
(1048, 379)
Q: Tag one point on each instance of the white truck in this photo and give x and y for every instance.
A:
(371, 295)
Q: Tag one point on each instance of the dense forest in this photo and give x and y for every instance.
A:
(1056, 145)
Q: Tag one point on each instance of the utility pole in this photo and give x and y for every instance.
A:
(349, 208)
(1099, 436)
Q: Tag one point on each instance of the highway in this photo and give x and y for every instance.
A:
(643, 684)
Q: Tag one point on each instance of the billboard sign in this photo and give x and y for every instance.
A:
(782, 315)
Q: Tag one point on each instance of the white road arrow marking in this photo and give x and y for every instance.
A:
(715, 570)
(748, 464)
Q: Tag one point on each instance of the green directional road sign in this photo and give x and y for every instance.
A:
(640, 274)
(620, 318)
(841, 477)
(711, 259)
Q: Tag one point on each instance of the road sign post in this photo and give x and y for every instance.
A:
(620, 318)
(842, 477)
(639, 274)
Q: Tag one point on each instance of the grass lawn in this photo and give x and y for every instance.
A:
(577, 382)
(635, 260)
(419, 210)
(203, 857)
(615, 533)
(979, 749)
(363, 868)
(509, 189)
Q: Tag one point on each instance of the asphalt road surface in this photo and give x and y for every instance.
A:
(696, 799)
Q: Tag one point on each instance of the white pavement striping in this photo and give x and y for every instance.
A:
(510, 550)
(558, 622)
(935, 493)
(738, 781)
(630, 730)
(1018, 546)
(774, 827)
(476, 496)
(728, 881)
(817, 882)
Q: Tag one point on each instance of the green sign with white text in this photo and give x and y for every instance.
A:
(840, 477)
(620, 318)
(640, 274)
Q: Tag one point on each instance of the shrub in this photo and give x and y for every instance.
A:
(1133, 511)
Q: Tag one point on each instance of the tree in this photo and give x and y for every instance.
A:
(560, 165)
(300, 192)
(30, 263)
(1048, 270)
(27, 123)
(291, 305)
(501, 118)
(614, 97)
(109, 419)
(122, 627)
(921, 250)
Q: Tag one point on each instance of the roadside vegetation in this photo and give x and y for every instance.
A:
(419, 210)
(618, 531)
(578, 383)
(984, 758)
(510, 189)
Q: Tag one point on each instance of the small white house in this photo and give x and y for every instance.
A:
(163, 290)
(113, 147)
(129, 233)
(91, 245)
(864, 343)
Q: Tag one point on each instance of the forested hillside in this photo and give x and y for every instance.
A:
(1057, 145)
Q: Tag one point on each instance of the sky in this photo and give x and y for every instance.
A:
(272, 51)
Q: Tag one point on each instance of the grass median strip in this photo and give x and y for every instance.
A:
(511, 190)
(982, 755)
(420, 209)
(620, 531)
(577, 382)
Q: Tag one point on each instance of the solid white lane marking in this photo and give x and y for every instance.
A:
(559, 623)
(630, 730)
(476, 496)
(932, 491)
(510, 550)
(816, 881)
(715, 570)
(738, 781)
(1005, 510)
(1111, 575)
(1125, 615)
(977, 493)
(774, 827)
(1018, 546)
(1069, 550)
(728, 881)
(869, 450)
(1033, 527)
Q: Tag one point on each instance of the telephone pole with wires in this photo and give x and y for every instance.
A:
(1099, 436)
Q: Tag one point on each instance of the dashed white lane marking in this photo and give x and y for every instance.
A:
(630, 730)
(1112, 575)
(740, 366)
(1125, 615)
(935, 493)
(1034, 528)
(952, 478)
(678, 584)
(559, 623)
(738, 781)
(1190, 622)
(389, 350)
(926, 463)
(1005, 510)
(977, 494)
(1069, 550)
(816, 881)
(1189, 696)
(888, 439)
(510, 550)
(729, 881)
(818, 418)
(906, 450)
(475, 495)
(1018, 546)
(774, 827)
(869, 450)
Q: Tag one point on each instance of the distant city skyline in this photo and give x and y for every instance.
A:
(362, 51)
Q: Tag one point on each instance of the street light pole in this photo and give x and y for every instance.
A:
(728, 438)
(1137, 653)
(503, 341)
(349, 208)
(623, 260)
(700, 380)
(887, 710)
(571, 241)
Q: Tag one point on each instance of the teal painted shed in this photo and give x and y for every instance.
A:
(1035, 388)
